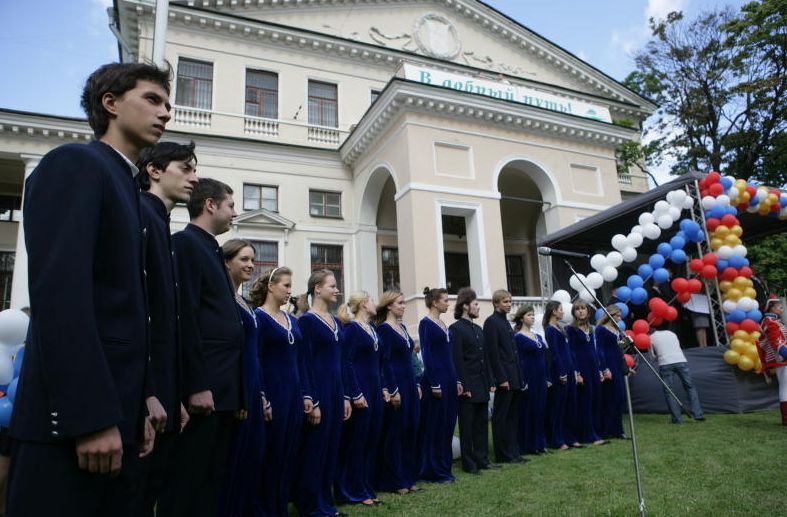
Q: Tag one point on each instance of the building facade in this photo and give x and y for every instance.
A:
(400, 143)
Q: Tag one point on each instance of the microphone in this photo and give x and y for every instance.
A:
(543, 250)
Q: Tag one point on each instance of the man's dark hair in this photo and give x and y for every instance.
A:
(207, 188)
(160, 156)
(116, 78)
(465, 296)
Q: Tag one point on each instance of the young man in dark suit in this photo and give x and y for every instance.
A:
(212, 341)
(167, 175)
(472, 370)
(504, 362)
(80, 407)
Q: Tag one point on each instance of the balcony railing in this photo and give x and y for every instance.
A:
(537, 302)
(633, 182)
(192, 117)
(260, 126)
(624, 179)
(323, 135)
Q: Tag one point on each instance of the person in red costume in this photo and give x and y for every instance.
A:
(773, 347)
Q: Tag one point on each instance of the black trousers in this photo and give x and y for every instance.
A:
(155, 469)
(45, 479)
(473, 434)
(198, 467)
(505, 424)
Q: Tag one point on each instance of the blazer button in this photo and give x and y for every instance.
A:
(54, 414)
(54, 423)
(144, 231)
(55, 433)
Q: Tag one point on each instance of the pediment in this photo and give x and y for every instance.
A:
(263, 218)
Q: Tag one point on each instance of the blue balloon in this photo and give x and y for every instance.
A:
(18, 358)
(718, 211)
(722, 264)
(656, 261)
(6, 408)
(746, 262)
(11, 392)
(677, 242)
(624, 293)
(635, 281)
(661, 275)
(678, 256)
(599, 314)
(755, 315)
(622, 325)
(664, 249)
(726, 182)
(783, 201)
(624, 309)
(736, 316)
(645, 271)
(754, 201)
(735, 261)
(684, 224)
(639, 296)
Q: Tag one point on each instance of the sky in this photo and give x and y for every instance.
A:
(49, 47)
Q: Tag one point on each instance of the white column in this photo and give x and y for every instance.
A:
(367, 275)
(160, 32)
(20, 297)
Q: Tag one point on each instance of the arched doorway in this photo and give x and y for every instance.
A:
(377, 247)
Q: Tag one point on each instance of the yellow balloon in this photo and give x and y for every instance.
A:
(731, 240)
(721, 231)
(740, 334)
(736, 230)
(715, 244)
(731, 357)
(751, 352)
(733, 294)
(756, 335)
(740, 184)
(745, 196)
(741, 282)
(764, 209)
(745, 363)
(750, 292)
(757, 364)
(738, 345)
(772, 198)
(725, 285)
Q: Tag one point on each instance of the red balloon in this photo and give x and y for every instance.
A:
(640, 327)
(642, 341)
(655, 303)
(776, 207)
(696, 265)
(749, 326)
(684, 297)
(775, 192)
(745, 271)
(731, 327)
(729, 220)
(630, 333)
(743, 205)
(709, 272)
(629, 360)
(680, 284)
(670, 314)
(716, 189)
(695, 286)
(712, 223)
(713, 177)
(729, 273)
(703, 183)
(751, 190)
(710, 259)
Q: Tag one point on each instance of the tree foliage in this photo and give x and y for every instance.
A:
(767, 257)
(720, 81)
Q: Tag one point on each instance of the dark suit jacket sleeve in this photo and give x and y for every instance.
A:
(492, 340)
(458, 350)
(195, 366)
(62, 217)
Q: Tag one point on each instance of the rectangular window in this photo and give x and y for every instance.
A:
(260, 196)
(6, 277)
(10, 208)
(323, 104)
(331, 257)
(325, 204)
(457, 271)
(515, 274)
(262, 94)
(390, 269)
(266, 256)
(195, 84)
(375, 95)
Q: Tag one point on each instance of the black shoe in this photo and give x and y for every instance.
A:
(490, 466)
(474, 472)
(700, 419)
(519, 459)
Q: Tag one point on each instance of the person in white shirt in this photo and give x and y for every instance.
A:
(665, 346)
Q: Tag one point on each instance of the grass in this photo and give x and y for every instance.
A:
(727, 465)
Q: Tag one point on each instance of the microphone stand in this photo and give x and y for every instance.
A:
(627, 345)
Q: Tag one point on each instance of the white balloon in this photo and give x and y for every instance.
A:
(729, 306)
(586, 296)
(665, 221)
(634, 239)
(740, 250)
(6, 369)
(538, 326)
(595, 280)
(614, 259)
(13, 327)
(688, 202)
(619, 241)
(674, 213)
(753, 208)
(456, 448)
(708, 202)
(678, 198)
(576, 281)
(567, 317)
(723, 200)
(610, 274)
(636, 229)
(646, 218)
(598, 262)
(561, 296)
(660, 208)
(733, 193)
(629, 255)
(651, 231)
(724, 252)
(746, 304)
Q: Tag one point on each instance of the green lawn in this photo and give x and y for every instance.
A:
(726, 465)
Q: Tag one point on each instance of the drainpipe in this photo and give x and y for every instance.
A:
(115, 29)
(160, 32)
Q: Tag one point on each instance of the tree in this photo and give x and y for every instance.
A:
(767, 259)
(721, 85)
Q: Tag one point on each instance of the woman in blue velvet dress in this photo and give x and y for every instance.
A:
(319, 451)
(581, 339)
(397, 462)
(240, 494)
(280, 348)
(440, 387)
(613, 389)
(564, 380)
(363, 381)
(532, 351)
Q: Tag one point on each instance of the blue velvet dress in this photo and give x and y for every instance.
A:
(361, 434)
(241, 492)
(563, 408)
(583, 350)
(398, 462)
(438, 415)
(283, 363)
(532, 417)
(613, 391)
(319, 451)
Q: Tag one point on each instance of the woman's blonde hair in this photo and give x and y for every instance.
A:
(259, 290)
(386, 299)
(612, 310)
(347, 311)
(579, 304)
(317, 278)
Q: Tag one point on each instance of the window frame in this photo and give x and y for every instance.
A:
(321, 101)
(260, 186)
(325, 193)
(260, 90)
(179, 89)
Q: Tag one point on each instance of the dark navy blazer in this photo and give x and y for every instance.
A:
(503, 356)
(164, 378)
(210, 324)
(470, 359)
(87, 352)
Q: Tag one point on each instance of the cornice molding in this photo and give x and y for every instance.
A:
(33, 125)
(208, 13)
(402, 95)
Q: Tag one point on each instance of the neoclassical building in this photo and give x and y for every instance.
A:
(400, 143)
